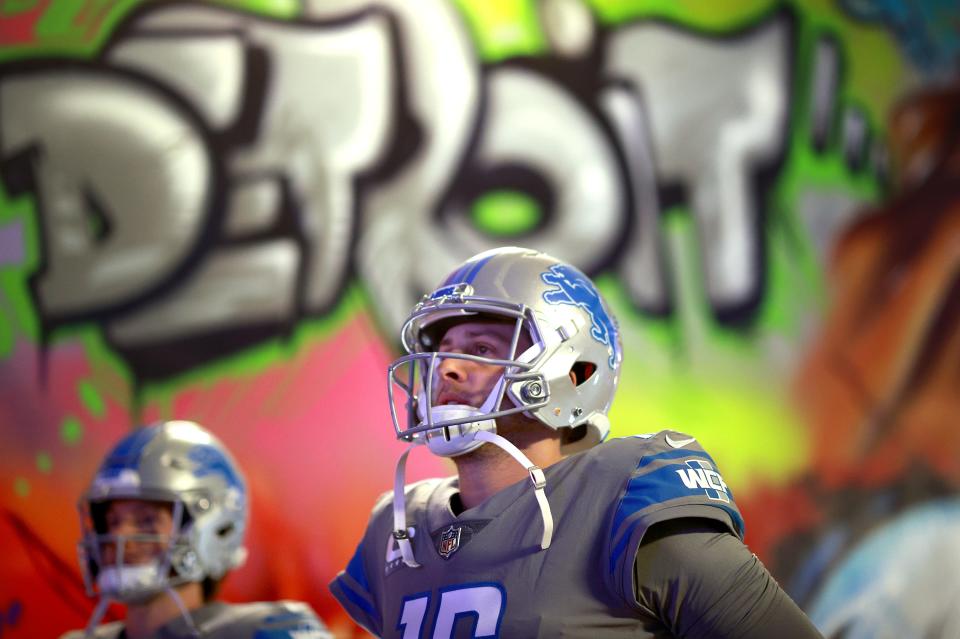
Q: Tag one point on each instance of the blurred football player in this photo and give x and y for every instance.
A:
(511, 368)
(163, 522)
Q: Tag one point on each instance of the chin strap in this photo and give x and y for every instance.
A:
(536, 476)
(98, 612)
(101, 609)
(184, 612)
(400, 533)
(539, 480)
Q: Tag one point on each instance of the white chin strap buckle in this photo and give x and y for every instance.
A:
(400, 534)
(537, 477)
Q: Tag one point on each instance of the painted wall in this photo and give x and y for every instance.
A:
(222, 212)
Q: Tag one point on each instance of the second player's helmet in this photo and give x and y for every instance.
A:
(570, 328)
(180, 464)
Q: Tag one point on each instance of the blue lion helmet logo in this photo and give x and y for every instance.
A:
(575, 289)
(210, 461)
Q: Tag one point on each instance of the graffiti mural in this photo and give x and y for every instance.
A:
(878, 389)
(223, 212)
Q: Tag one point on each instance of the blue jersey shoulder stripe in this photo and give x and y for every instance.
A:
(655, 487)
(619, 548)
(355, 569)
(659, 486)
(357, 599)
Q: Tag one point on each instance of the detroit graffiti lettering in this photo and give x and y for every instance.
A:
(213, 173)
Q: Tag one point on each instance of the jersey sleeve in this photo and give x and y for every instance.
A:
(672, 478)
(351, 586)
(291, 620)
(705, 584)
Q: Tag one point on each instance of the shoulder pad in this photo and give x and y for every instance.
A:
(293, 619)
(267, 620)
(663, 440)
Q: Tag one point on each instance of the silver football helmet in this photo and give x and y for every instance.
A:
(176, 463)
(553, 307)
(568, 324)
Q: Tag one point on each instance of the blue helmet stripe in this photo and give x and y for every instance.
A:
(127, 453)
(475, 268)
(468, 272)
(457, 276)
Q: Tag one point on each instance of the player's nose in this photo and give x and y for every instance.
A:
(452, 369)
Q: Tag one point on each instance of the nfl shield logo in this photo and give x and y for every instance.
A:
(449, 542)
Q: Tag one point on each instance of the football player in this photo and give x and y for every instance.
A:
(162, 523)
(545, 531)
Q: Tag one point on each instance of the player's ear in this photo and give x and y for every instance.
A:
(581, 372)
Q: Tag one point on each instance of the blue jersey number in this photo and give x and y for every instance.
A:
(485, 603)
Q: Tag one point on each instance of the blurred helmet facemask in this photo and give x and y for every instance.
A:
(183, 465)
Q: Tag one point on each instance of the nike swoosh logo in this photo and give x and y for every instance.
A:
(679, 444)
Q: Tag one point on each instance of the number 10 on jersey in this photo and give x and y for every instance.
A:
(484, 602)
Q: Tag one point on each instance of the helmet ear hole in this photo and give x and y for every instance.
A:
(582, 371)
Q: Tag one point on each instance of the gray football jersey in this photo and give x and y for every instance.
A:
(219, 620)
(483, 573)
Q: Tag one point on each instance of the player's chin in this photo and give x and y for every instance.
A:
(516, 423)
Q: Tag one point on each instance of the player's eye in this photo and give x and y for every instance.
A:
(482, 349)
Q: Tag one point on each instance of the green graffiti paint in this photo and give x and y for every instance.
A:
(91, 398)
(6, 334)
(673, 363)
(71, 431)
(13, 7)
(748, 426)
(21, 487)
(44, 462)
(660, 334)
(720, 15)
(60, 21)
(80, 29)
(18, 303)
(273, 8)
(505, 213)
(503, 29)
